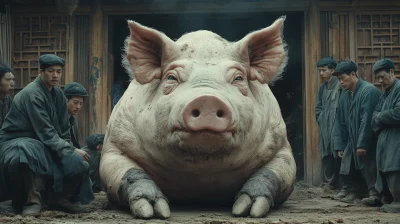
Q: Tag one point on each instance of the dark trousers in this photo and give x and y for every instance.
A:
(74, 176)
(331, 168)
(362, 181)
(391, 185)
(28, 186)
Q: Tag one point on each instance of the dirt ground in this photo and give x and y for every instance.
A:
(306, 205)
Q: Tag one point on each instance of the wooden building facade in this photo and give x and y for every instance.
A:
(80, 31)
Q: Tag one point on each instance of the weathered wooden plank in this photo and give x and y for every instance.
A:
(352, 38)
(312, 55)
(107, 77)
(81, 70)
(69, 76)
(96, 69)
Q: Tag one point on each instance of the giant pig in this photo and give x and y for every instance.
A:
(199, 124)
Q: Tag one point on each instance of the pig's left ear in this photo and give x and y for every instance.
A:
(264, 50)
(146, 50)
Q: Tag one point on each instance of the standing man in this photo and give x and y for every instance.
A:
(75, 95)
(7, 82)
(356, 107)
(325, 113)
(386, 123)
(35, 150)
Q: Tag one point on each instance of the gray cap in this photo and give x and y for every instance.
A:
(75, 89)
(326, 61)
(384, 63)
(4, 69)
(94, 140)
(345, 67)
(48, 60)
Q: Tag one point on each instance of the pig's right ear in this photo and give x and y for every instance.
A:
(146, 51)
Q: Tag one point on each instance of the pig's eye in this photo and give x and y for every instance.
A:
(239, 78)
(171, 77)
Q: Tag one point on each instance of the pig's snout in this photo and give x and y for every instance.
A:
(207, 113)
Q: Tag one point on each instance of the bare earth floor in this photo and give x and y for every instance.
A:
(306, 205)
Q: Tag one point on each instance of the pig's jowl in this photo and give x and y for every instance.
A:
(199, 124)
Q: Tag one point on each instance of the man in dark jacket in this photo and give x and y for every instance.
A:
(386, 123)
(325, 113)
(94, 145)
(356, 107)
(7, 82)
(76, 95)
(36, 153)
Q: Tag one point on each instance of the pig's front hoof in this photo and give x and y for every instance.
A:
(244, 206)
(144, 210)
(258, 194)
(144, 197)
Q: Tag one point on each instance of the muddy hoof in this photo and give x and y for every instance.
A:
(391, 208)
(31, 210)
(371, 201)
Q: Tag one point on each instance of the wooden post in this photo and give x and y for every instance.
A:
(69, 76)
(97, 77)
(313, 174)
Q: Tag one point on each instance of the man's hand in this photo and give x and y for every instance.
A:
(340, 153)
(361, 152)
(83, 154)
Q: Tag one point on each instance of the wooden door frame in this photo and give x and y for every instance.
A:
(312, 160)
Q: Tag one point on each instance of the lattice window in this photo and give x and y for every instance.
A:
(35, 35)
(377, 36)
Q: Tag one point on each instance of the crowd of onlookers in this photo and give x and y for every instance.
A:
(360, 133)
(42, 163)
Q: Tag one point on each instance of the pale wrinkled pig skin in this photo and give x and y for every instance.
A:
(199, 124)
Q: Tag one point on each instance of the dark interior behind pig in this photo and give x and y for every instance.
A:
(199, 124)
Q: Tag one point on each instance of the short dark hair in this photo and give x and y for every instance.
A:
(69, 97)
(383, 69)
(331, 66)
(44, 67)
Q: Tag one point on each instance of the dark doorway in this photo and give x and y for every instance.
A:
(233, 26)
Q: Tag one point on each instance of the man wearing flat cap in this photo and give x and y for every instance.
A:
(75, 95)
(36, 155)
(355, 141)
(386, 123)
(7, 82)
(325, 112)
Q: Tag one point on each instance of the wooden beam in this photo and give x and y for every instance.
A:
(359, 5)
(313, 174)
(82, 9)
(243, 6)
(96, 78)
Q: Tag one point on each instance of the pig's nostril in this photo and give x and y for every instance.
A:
(220, 113)
(196, 113)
